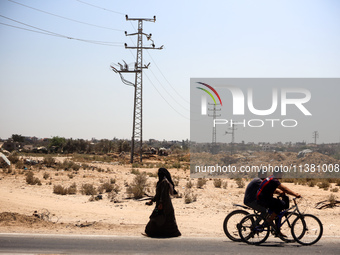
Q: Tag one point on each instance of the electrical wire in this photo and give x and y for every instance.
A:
(164, 76)
(46, 32)
(81, 22)
(164, 98)
(159, 91)
(100, 7)
(150, 69)
(167, 79)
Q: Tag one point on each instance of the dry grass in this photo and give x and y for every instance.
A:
(88, 189)
(189, 197)
(31, 180)
(137, 188)
(201, 182)
(60, 190)
(217, 183)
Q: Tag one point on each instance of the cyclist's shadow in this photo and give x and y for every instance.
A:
(277, 244)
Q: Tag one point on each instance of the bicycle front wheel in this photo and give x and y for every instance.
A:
(231, 223)
(307, 229)
(286, 227)
(253, 229)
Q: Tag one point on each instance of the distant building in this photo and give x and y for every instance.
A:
(10, 145)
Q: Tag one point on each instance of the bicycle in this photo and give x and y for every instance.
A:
(231, 223)
(232, 220)
(306, 229)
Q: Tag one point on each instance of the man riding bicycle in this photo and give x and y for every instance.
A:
(265, 198)
(251, 192)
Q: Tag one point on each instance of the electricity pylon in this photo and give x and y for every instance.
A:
(232, 133)
(214, 127)
(315, 136)
(137, 132)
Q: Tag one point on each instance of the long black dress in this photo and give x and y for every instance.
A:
(163, 222)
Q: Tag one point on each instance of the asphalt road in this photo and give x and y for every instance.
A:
(71, 244)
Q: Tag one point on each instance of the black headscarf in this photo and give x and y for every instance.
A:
(162, 172)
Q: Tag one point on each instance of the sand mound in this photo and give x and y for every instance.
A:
(17, 219)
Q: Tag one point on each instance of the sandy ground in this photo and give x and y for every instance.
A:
(75, 214)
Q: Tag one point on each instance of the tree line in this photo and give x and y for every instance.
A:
(58, 144)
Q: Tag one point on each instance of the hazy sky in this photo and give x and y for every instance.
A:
(54, 86)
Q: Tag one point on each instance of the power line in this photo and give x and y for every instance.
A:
(168, 92)
(167, 79)
(162, 86)
(163, 74)
(47, 32)
(81, 22)
(153, 85)
(164, 98)
(99, 7)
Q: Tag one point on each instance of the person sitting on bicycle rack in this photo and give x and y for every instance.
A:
(265, 198)
(251, 192)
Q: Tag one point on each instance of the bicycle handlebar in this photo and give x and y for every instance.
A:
(294, 199)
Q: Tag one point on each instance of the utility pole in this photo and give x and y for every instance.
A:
(214, 127)
(137, 130)
(315, 136)
(232, 133)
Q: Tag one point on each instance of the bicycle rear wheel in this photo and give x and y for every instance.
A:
(311, 228)
(253, 229)
(231, 223)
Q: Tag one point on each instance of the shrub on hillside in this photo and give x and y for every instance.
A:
(31, 180)
(60, 190)
(88, 189)
(217, 183)
(137, 188)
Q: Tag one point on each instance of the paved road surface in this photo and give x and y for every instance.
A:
(72, 244)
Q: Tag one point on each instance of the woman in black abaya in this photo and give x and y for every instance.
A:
(162, 220)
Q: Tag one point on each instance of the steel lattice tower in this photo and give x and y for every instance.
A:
(137, 130)
(214, 115)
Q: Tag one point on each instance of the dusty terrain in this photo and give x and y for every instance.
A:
(76, 214)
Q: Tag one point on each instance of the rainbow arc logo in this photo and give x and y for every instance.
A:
(204, 99)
